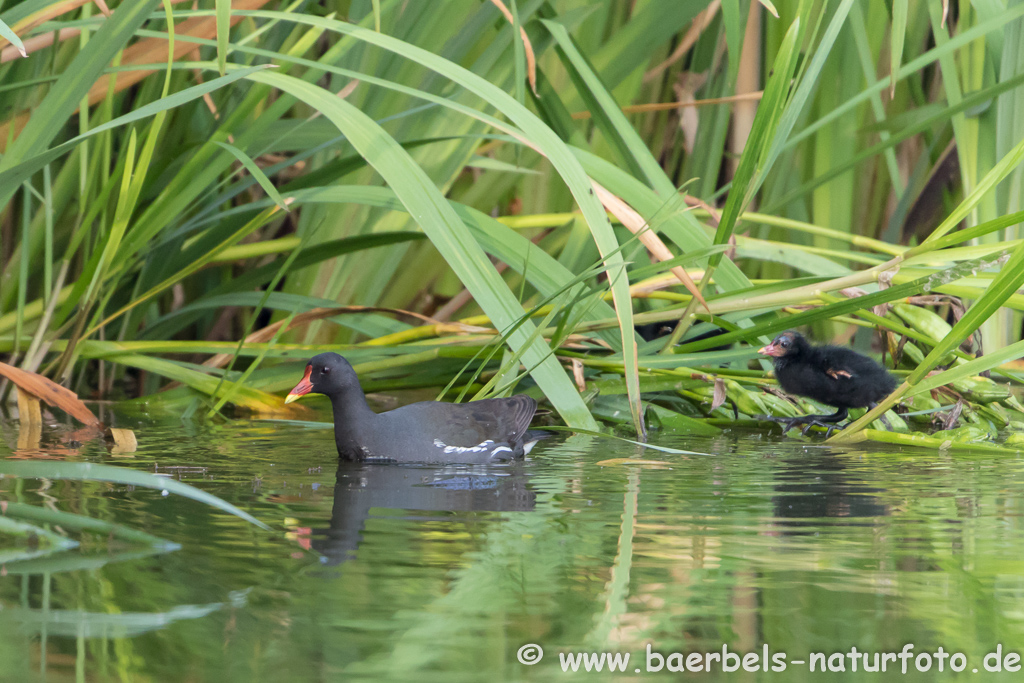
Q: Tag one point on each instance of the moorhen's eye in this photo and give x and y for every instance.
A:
(784, 343)
(325, 371)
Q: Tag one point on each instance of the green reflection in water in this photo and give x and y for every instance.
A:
(412, 573)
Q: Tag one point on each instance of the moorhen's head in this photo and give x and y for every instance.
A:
(789, 345)
(326, 373)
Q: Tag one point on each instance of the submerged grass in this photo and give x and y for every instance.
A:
(268, 180)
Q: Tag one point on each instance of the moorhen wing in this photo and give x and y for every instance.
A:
(833, 375)
(478, 432)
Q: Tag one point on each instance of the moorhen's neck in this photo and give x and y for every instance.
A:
(352, 416)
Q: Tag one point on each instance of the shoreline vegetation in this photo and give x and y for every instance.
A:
(195, 199)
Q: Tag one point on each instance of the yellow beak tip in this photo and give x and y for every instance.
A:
(292, 397)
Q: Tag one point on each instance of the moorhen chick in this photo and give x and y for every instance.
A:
(478, 432)
(833, 375)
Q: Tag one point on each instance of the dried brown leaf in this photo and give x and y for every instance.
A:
(124, 440)
(719, 396)
(349, 88)
(577, 374)
(714, 216)
(638, 226)
(35, 43)
(49, 391)
(689, 118)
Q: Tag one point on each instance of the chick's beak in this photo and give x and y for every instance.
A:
(302, 388)
(770, 350)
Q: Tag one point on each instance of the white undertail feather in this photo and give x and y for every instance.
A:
(479, 448)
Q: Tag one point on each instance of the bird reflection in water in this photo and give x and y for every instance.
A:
(822, 486)
(361, 489)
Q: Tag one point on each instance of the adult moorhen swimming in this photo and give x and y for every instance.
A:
(478, 432)
(833, 375)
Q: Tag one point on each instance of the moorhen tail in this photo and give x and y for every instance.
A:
(833, 375)
(478, 432)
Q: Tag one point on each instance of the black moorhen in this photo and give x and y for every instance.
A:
(833, 375)
(478, 432)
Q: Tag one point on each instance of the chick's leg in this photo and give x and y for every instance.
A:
(826, 421)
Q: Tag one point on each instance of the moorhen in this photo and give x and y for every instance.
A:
(478, 432)
(833, 375)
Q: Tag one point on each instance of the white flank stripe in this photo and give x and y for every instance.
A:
(479, 448)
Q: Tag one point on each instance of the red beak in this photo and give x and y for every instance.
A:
(302, 388)
(770, 350)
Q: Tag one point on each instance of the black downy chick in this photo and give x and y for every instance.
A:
(833, 375)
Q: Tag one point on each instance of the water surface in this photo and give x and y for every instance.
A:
(403, 573)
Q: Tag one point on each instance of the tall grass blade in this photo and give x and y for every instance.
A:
(63, 98)
(87, 471)
(569, 169)
(448, 234)
(12, 37)
(256, 172)
(223, 33)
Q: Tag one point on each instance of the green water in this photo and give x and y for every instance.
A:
(441, 574)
